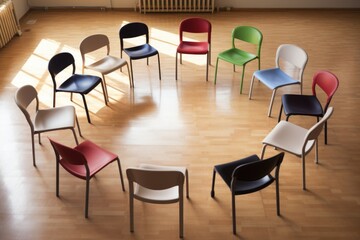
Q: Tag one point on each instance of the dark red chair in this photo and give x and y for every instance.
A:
(309, 105)
(194, 25)
(83, 161)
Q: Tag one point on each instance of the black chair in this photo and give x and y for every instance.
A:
(309, 105)
(249, 175)
(132, 30)
(76, 83)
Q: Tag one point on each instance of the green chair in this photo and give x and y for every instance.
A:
(240, 57)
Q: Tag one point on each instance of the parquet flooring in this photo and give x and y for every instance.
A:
(187, 122)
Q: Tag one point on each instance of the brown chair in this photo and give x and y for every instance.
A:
(44, 120)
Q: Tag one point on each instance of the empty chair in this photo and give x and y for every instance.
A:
(157, 184)
(194, 25)
(105, 64)
(238, 56)
(290, 63)
(75, 83)
(249, 175)
(44, 120)
(145, 50)
(288, 137)
(309, 105)
(83, 161)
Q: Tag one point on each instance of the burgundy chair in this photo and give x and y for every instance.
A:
(83, 161)
(194, 25)
(309, 105)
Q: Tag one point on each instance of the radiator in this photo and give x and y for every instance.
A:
(176, 6)
(8, 23)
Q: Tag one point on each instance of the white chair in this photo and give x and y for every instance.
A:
(157, 184)
(104, 65)
(45, 120)
(290, 63)
(296, 140)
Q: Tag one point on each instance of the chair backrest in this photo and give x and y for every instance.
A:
(195, 25)
(93, 43)
(256, 170)
(294, 55)
(24, 96)
(59, 62)
(155, 179)
(248, 34)
(328, 82)
(68, 154)
(315, 130)
(131, 30)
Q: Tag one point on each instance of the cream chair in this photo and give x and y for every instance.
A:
(297, 140)
(45, 120)
(157, 184)
(104, 65)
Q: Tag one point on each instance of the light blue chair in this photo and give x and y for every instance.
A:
(290, 64)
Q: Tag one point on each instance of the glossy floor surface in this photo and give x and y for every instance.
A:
(188, 122)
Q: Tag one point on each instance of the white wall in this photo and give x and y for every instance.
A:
(22, 6)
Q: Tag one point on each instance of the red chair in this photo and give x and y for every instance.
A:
(83, 161)
(309, 105)
(194, 25)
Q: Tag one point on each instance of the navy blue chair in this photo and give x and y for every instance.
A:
(249, 175)
(75, 83)
(132, 30)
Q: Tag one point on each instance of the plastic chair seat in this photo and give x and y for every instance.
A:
(307, 105)
(97, 158)
(107, 64)
(274, 78)
(242, 187)
(283, 136)
(82, 84)
(236, 56)
(55, 119)
(142, 51)
(193, 47)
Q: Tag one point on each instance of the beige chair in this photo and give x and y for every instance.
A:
(104, 65)
(45, 120)
(157, 184)
(294, 139)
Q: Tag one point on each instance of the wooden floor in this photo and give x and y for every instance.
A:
(188, 122)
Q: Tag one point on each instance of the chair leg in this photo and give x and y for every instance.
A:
(216, 69)
(54, 97)
(57, 177)
(263, 151)
(131, 69)
(187, 183)
(87, 197)
(251, 86)
(86, 108)
(242, 79)
(303, 170)
(180, 58)
(131, 82)
(105, 88)
(325, 131)
(281, 108)
(131, 202)
(271, 102)
(233, 212)
(159, 66)
(181, 217)
(78, 125)
(39, 138)
(76, 140)
(316, 152)
(213, 185)
(277, 197)
(121, 175)
(33, 149)
(176, 65)
(207, 66)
